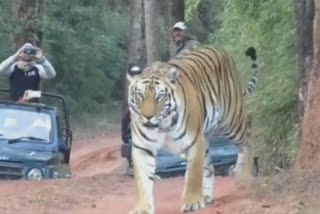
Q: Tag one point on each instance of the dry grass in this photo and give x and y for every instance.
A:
(289, 193)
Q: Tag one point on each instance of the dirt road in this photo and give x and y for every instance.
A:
(99, 185)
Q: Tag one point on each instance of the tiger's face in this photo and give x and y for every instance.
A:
(151, 95)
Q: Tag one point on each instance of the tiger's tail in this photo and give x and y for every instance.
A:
(252, 53)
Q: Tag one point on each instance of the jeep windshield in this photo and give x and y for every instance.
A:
(25, 125)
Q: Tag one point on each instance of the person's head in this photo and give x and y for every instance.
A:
(178, 32)
(27, 56)
(28, 53)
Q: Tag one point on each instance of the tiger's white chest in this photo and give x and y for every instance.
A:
(165, 124)
(175, 146)
(168, 123)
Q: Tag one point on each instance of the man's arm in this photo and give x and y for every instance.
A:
(191, 45)
(46, 70)
(7, 66)
(188, 47)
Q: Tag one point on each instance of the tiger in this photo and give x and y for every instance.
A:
(178, 105)
(252, 85)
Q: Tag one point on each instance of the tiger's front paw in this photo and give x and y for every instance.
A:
(208, 199)
(208, 190)
(142, 210)
(192, 204)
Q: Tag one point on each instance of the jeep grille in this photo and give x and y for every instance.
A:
(10, 171)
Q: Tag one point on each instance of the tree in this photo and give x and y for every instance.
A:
(136, 47)
(151, 11)
(308, 156)
(135, 34)
(304, 11)
(29, 23)
(176, 13)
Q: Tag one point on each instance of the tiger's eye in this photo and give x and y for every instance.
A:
(140, 94)
(160, 96)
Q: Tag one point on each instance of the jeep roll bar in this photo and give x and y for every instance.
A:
(64, 106)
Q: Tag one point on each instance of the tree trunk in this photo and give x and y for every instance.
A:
(308, 156)
(304, 11)
(304, 21)
(136, 43)
(206, 16)
(176, 11)
(29, 23)
(151, 10)
(135, 34)
(176, 14)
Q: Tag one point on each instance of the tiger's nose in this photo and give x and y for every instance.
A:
(148, 117)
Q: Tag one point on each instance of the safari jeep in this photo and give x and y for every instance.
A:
(35, 141)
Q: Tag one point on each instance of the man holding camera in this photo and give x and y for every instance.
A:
(25, 69)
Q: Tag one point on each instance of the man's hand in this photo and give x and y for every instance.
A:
(22, 100)
(39, 56)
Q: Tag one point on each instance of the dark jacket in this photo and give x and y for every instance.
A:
(20, 81)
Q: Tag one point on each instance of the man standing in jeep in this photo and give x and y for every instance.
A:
(25, 69)
(183, 41)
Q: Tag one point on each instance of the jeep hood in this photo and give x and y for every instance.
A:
(22, 155)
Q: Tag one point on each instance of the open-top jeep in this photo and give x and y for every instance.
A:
(35, 141)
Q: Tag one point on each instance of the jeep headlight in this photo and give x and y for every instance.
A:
(55, 174)
(34, 174)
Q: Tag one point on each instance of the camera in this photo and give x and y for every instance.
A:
(30, 51)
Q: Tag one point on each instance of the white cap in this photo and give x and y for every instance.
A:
(28, 45)
(179, 25)
(135, 68)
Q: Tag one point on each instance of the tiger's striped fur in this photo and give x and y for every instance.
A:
(179, 105)
(251, 52)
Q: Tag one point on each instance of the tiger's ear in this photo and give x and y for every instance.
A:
(133, 72)
(173, 74)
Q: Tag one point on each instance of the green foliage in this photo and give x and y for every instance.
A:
(204, 20)
(190, 8)
(6, 26)
(269, 26)
(88, 47)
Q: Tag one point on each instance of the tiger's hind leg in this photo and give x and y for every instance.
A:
(193, 198)
(239, 135)
(208, 179)
(244, 165)
(245, 160)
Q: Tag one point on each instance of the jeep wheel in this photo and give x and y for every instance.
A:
(130, 169)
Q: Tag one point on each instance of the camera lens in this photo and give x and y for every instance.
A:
(30, 51)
